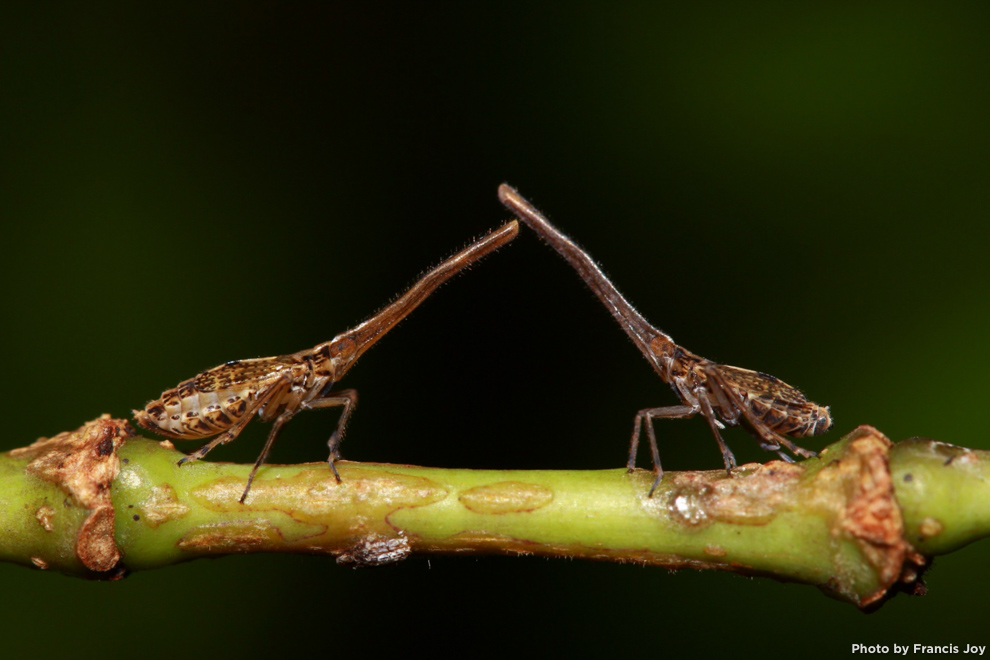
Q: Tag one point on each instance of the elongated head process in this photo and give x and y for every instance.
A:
(766, 406)
(220, 402)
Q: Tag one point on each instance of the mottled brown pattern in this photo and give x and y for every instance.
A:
(235, 407)
(186, 389)
(235, 374)
(215, 417)
(764, 386)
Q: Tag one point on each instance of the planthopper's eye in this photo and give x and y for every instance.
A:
(824, 422)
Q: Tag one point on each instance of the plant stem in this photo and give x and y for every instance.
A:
(858, 521)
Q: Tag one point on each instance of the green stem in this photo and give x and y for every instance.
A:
(944, 493)
(834, 521)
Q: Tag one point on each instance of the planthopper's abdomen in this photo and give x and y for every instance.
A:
(211, 402)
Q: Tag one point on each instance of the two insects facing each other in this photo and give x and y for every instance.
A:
(221, 401)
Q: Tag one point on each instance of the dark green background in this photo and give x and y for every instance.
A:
(800, 190)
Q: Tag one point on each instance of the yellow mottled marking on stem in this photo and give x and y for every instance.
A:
(930, 527)
(231, 537)
(313, 510)
(315, 492)
(161, 506)
(506, 497)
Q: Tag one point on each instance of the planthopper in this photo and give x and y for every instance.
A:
(221, 401)
(764, 405)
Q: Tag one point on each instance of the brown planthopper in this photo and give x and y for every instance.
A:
(769, 408)
(220, 402)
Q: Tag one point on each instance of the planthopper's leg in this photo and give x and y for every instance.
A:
(706, 409)
(347, 399)
(646, 417)
(276, 428)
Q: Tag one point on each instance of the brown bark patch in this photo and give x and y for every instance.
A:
(84, 463)
(751, 495)
(375, 550)
(871, 516)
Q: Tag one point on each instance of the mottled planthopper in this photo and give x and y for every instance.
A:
(766, 406)
(221, 401)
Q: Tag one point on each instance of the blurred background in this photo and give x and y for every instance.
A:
(799, 190)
